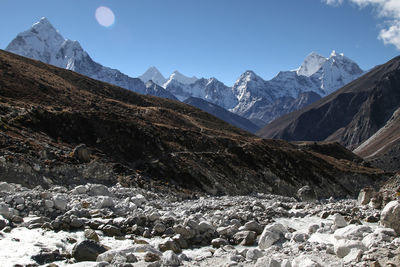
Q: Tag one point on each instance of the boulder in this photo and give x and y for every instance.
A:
(47, 257)
(365, 196)
(169, 244)
(81, 153)
(267, 261)
(118, 255)
(91, 235)
(106, 202)
(245, 238)
(219, 242)
(87, 250)
(390, 216)
(253, 254)
(98, 190)
(3, 223)
(111, 230)
(354, 256)
(252, 226)
(339, 221)
(353, 232)
(271, 234)
(6, 187)
(80, 189)
(169, 258)
(304, 261)
(151, 257)
(60, 202)
(343, 247)
(306, 193)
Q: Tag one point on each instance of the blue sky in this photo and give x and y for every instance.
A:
(210, 38)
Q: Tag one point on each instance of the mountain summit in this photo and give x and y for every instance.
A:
(44, 43)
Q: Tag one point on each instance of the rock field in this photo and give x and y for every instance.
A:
(96, 225)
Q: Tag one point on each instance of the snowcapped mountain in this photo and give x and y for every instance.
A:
(257, 98)
(154, 89)
(153, 74)
(211, 90)
(176, 76)
(43, 42)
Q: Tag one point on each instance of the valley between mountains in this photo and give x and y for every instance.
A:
(101, 169)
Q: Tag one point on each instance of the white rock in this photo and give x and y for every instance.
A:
(339, 221)
(304, 261)
(60, 202)
(390, 216)
(378, 236)
(271, 234)
(352, 231)
(169, 258)
(365, 196)
(267, 261)
(267, 239)
(343, 247)
(286, 263)
(353, 256)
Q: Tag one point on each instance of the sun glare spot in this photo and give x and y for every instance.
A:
(104, 16)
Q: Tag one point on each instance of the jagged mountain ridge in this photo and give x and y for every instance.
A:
(250, 97)
(365, 108)
(44, 43)
(147, 141)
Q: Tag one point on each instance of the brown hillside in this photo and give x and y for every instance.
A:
(146, 141)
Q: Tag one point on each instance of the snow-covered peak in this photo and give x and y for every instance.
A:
(40, 42)
(154, 75)
(311, 64)
(179, 77)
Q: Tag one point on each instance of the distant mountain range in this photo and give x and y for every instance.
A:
(363, 115)
(251, 97)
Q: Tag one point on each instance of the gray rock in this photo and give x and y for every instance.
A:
(219, 242)
(76, 223)
(106, 202)
(339, 221)
(91, 235)
(245, 238)
(352, 232)
(169, 258)
(271, 234)
(343, 247)
(5, 211)
(353, 256)
(87, 250)
(138, 200)
(151, 257)
(313, 228)
(299, 237)
(206, 226)
(98, 190)
(306, 193)
(390, 216)
(60, 202)
(48, 203)
(304, 261)
(169, 244)
(81, 153)
(159, 229)
(252, 226)
(6, 187)
(267, 261)
(111, 230)
(3, 223)
(79, 190)
(253, 254)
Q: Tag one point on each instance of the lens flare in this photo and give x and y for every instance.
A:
(104, 16)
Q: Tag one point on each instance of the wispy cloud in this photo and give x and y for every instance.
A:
(388, 10)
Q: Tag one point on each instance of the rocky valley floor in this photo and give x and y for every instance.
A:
(95, 225)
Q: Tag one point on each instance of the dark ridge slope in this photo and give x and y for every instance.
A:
(145, 141)
(350, 115)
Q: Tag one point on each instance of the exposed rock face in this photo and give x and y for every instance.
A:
(176, 147)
